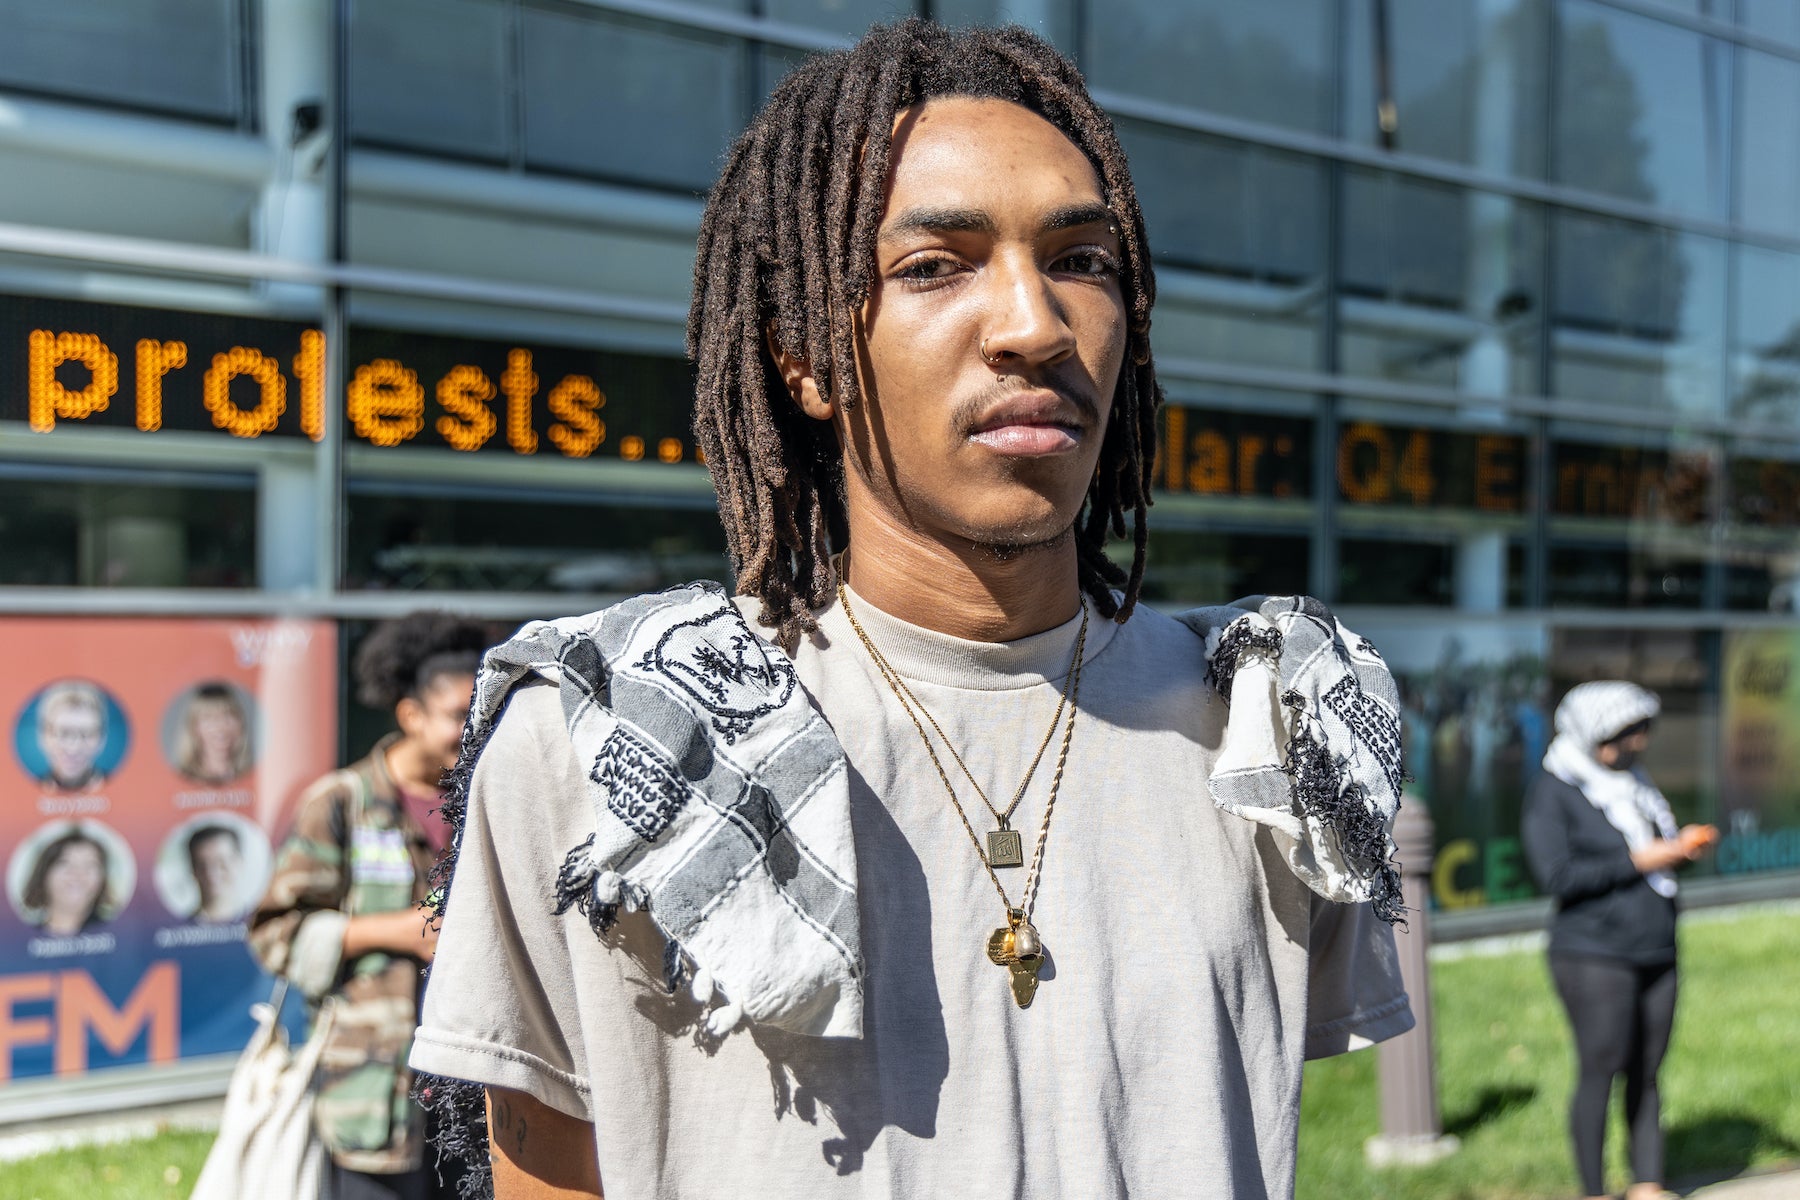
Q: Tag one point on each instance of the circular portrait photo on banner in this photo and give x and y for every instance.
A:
(213, 868)
(71, 877)
(71, 736)
(209, 732)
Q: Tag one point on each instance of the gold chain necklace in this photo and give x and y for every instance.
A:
(1004, 846)
(1015, 945)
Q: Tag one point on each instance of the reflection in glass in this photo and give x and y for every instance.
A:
(1765, 349)
(1630, 524)
(403, 540)
(175, 56)
(1467, 80)
(1052, 20)
(848, 17)
(65, 527)
(1762, 533)
(1379, 571)
(1247, 224)
(431, 75)
(1768, 158)
(1641, 109)
(1193, 566)
(1681, 667)
(1638, 315)
(627, 99)
(1779, 19)
(1612, 575)
(1439, 285)
(1268, 61)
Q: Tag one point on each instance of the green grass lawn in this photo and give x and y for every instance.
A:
(1731, 1087)
(158, 1168)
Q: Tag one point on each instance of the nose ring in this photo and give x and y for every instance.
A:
(993, 361)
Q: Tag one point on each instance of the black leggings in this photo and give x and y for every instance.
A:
(1622, 1016)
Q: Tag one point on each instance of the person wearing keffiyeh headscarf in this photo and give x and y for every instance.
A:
(1601, 839)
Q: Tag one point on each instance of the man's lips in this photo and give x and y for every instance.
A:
(1030, 423)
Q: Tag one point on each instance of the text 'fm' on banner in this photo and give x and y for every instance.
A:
(150, 765)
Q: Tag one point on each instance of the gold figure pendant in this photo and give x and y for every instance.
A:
(1003, 949)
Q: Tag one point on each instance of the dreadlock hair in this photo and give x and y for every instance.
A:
(787, 253)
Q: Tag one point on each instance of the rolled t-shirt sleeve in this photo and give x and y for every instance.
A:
(499, 1007)
(1355, 996)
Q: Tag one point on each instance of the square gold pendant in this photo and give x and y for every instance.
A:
(1005, 848)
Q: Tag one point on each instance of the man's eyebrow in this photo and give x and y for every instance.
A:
(975, 220)
(1076, 215)
(938, 220)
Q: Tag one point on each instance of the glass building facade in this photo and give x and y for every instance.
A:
(1479, 319)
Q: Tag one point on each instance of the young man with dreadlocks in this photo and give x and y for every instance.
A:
(931, 865)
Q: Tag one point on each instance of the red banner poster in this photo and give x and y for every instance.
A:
(153, 764)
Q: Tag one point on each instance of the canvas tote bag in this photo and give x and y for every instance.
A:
(267, 1146)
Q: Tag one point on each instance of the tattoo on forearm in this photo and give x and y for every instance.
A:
(508, 1126)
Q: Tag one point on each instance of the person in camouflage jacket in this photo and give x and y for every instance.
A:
(341, 917)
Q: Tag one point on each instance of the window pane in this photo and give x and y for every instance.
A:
(1771, 18)
(181, 56)
(1268, 61)
(1431, 511)
(1768, 177)
(1194, 566)
(1765, 352)
(1249, 224)
(1440, 285)
(630, 100)
(839, 16)
(405, 538)
(65, 527)
(1629, 524)
(430, 75)
(1052, 20)
(1467, 80)
(1638, 315)
(1372, 571)
(1762, 515)
(1641, 111)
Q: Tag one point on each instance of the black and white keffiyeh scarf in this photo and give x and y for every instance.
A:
(1312, 741)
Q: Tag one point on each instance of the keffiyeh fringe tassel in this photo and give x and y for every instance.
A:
(1323, 793)
(456, 1116)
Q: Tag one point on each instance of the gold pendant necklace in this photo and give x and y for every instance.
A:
(1005, 846)
(1015, 945)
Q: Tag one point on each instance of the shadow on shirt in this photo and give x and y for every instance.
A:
(851, 1088)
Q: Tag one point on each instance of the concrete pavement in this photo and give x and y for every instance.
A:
(1782, 1186)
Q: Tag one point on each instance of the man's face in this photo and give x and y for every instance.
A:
(72, 738)
(216, 861)
(995, 231)
(435, 718)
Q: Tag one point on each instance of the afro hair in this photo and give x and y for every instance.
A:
(404, 656)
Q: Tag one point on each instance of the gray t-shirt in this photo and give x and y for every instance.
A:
(1189, 971)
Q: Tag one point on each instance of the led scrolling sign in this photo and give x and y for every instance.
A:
(66, 363)
(70, 363)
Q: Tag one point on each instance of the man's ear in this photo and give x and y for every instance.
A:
(797, 375)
